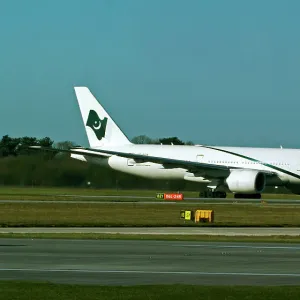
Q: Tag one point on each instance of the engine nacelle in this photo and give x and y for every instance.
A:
(246, 181)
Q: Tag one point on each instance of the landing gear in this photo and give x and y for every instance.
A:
(247, 196)
(212, 194)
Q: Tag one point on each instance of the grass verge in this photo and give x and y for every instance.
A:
(29, 290)
(55, 193)
(156, 237)
(139, 215)
(39, 191)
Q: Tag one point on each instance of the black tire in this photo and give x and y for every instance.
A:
(209, 194)
(223, 195)
(202, 195)
(217, 194)
(247, 196)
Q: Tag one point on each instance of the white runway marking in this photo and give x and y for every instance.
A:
(217, 231)
(151, 272)
(241, 246)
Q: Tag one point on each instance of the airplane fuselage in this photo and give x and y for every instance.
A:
(284, 162)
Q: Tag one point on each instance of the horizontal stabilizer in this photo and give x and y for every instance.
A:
(81, 151)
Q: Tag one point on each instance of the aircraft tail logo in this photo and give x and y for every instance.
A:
(96, 124)
(100, 128)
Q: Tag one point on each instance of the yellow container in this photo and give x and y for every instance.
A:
(204, 216)
(182, 214)
(186, 214)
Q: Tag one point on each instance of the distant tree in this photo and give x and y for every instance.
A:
(15, 146)
(65, 145)
(171, 140)
(142, 139)
(28, 141)
(20, 165)
(8, 145)
(23, 144)
(45, 142)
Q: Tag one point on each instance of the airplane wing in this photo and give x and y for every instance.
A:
(192, 166)
(207, 170)
(166, 162)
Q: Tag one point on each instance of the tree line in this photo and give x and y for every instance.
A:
(144, 139)
(21, 166)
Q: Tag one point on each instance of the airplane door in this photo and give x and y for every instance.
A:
(130, 162)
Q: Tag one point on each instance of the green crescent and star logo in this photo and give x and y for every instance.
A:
(96, 124)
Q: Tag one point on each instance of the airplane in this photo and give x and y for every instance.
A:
(243, 171)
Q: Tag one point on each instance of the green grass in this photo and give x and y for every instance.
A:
(134, 214)
(39, 191)
(156, 237)
(54, 193)
(32, 193)
(78, 198)
(38, 291)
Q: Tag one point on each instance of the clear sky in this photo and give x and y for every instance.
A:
(214, 72)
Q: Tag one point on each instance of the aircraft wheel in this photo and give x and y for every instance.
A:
(223, 195)
(247, 196)
(202, 195)
(211, 194)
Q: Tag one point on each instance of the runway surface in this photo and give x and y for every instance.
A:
(151, 200)
(111, 262)
(224, 231)
(192, 199)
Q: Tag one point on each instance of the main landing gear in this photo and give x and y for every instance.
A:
(218, 194)
(212, 194)
(247, 196)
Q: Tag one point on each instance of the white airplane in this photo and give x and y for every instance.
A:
(241, 170)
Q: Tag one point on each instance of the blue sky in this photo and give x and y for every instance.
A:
(214, 72)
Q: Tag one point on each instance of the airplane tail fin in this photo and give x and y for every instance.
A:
(100, 128)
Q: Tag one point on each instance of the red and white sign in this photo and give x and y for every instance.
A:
(176, 197)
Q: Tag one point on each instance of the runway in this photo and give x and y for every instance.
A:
(152, 199)
(79, 199)
(216, 231)
(115, 262)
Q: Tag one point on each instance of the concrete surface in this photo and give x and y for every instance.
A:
(116, 262)
(224, 231)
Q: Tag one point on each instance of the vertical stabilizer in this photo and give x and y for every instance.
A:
(101, 130)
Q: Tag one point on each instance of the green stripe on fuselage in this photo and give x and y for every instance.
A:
(255, 160)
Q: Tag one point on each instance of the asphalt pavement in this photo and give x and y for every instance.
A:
(216, 231)
(119, 262)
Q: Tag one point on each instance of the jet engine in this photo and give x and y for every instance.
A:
(246, 181)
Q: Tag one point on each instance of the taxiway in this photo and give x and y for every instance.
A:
(116, 262)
